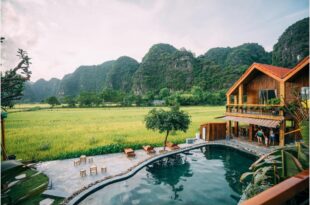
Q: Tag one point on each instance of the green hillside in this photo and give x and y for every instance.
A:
(173, 70)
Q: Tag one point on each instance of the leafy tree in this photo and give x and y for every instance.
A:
(12, 81)
(70, 101)
(52, 101)
(138, 100)
(167, 121)
(197, 93)
(163, 93)
(89, 98)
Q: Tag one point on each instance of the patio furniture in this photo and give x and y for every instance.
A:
(90, 160)
(149, 149)
(83, 159)
(103, 169)
(76, 162)
(190, 140)
(172, 146)
(129, 152)
(93, 169)
(83, 172)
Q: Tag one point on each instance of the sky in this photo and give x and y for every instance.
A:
(61, 35)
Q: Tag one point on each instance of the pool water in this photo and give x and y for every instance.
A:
(208, 175)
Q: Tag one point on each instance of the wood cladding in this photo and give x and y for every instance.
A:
(214, 131)
(301, 79)
(259, 82)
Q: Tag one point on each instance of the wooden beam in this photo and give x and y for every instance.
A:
(227, 99)
(282, 92)
(251, 129)
(257, 116)
(3, 149)
(236, 126)
(235, 100)
(281, 133)
(240, 93)
(228, 128)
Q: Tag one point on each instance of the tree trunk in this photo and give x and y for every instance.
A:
(166, 140)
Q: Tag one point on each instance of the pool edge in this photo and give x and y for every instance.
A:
(83, 193)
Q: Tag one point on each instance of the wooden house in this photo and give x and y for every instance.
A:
(258, 97)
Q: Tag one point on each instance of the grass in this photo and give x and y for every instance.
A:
(63, 133)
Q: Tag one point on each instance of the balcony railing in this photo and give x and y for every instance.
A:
(255, 109)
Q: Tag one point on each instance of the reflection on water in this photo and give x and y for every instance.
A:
(209, 175)
(181, 169)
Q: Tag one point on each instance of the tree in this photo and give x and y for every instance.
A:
(163, 93)
(12, 81)
(70, 101)
(52, 101)
(167, 121)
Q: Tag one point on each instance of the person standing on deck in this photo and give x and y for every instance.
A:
(272, 137)
(260, 134)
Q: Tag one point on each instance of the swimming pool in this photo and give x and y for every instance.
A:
(207, 175)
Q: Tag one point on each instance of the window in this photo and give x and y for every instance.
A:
(304, 93)
(265, 95)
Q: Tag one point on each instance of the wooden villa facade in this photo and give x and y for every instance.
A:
(257, 100)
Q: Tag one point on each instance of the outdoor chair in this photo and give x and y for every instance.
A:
(90, 160)
(83, 173)
(129, 152)
(76, 162)
(83, 159)
(103, 169)
(93, 169)
(172, 146)
(149, 149)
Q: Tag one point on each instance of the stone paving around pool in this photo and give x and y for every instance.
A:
(65, 178)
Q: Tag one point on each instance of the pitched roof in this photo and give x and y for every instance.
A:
(280, 72)
(298, 67)
(275, 72)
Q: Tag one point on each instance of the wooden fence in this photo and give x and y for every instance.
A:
(213, 131)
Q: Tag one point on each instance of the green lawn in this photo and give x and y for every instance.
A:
(63, 133)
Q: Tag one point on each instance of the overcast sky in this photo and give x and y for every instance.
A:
(61, 35)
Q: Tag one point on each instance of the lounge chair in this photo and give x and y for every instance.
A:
(129, 152)
(149, 149)
(172, 146)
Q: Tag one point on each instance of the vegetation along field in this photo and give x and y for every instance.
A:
(63, 133)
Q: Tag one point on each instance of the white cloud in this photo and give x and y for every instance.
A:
(60, 35)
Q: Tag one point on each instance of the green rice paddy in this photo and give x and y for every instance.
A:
(69, 132)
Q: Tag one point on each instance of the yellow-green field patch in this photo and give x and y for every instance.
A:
(62, 133)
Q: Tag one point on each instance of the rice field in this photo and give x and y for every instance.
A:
(68, 132)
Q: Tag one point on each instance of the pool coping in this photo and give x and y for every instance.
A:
(83, 193)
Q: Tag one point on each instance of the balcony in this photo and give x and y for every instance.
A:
(263, 111)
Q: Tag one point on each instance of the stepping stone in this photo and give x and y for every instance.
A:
(12, 183)
(20, 176)
(47, 201)
(56, 193)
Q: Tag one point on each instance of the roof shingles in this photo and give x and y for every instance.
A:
(275, 70)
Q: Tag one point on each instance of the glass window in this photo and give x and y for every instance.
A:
(265, 95)
(304, 93)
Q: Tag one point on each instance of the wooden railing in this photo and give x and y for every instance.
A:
(283, 192)
(256, 109)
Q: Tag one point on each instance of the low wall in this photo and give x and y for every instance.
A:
(213, 131)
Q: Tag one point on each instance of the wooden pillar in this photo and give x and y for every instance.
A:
(282, 92)
(4, 157)
(281, 133)
(227, 99)
(236, 125)
(235, 99)
(208, 132)
(228, 128)
(240, 94)
(251, 129)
